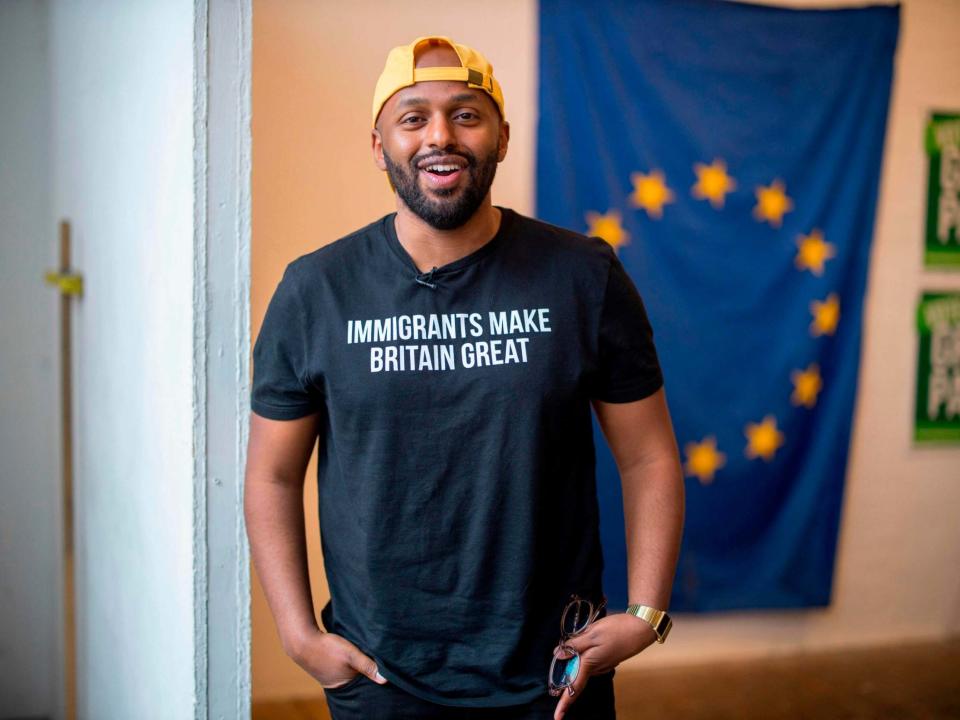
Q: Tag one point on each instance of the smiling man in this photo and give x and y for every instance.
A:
(447, 356)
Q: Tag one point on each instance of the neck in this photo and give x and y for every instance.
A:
(429, 247)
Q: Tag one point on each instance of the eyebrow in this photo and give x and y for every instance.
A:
(465, 97)
(459, 98)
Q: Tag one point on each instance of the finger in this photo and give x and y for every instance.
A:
(571, 694)
(575, 643)
(368, 667)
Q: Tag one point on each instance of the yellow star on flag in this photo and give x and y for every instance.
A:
(650, 192)
(806, 385)
(826, 315)
(713, 183)
(703, 459)
(813, 252)
(763, 438)
(772, 203)
(607, 226)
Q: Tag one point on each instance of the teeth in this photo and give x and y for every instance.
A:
(442, 168)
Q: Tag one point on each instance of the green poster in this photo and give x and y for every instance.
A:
(942, 141)
(938, 369)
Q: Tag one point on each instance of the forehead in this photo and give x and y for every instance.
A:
(437, 93)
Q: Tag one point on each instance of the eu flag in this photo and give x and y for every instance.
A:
(731, 154)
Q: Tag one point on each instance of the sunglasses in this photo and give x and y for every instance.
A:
(565, 666)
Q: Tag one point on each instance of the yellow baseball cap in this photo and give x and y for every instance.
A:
(400, 71)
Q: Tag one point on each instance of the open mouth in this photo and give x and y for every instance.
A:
(442, 170)
(443, 173)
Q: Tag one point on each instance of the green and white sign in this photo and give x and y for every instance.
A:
(942, 141)
(938, 369)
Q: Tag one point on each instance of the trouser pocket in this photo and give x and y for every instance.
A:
(356, 680)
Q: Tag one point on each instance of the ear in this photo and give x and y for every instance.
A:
(504, 140)
(377, 146)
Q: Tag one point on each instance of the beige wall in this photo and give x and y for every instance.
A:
(315, 65)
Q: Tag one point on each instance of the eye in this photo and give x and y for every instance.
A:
(467, 115)
(411, 119)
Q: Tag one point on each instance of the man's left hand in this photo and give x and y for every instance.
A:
(605, 644)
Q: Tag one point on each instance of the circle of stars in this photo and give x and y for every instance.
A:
(652, 194)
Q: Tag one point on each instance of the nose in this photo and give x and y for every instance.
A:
(440, 131)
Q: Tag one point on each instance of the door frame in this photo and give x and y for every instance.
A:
(221, 351)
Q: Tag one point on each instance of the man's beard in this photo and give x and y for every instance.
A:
(444, 214)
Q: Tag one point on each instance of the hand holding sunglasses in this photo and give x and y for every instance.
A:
(565, 666)
(613, 639)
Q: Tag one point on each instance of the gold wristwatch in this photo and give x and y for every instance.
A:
(658, 619)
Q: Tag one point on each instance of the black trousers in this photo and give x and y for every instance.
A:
(363, 699)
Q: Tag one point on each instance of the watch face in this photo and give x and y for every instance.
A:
(663, 628)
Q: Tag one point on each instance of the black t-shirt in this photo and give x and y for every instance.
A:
(457, 495)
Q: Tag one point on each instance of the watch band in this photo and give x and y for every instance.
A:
(658, 619)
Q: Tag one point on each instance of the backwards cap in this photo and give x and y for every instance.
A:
(400, 71)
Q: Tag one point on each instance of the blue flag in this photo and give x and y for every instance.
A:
(731, 154)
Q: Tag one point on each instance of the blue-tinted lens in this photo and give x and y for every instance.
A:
(565, 669)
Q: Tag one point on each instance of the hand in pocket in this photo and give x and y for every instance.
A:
(334, 661)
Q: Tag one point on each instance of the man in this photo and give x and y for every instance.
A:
(447, 355)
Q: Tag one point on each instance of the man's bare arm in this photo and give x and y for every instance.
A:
(640, 435)
(277, 457)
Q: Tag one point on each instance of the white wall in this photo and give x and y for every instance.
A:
(901, 510)
(896, 577)
(122, 172)
(30, 517)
